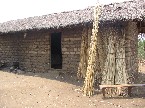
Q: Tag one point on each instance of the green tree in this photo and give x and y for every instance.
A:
(141, 49)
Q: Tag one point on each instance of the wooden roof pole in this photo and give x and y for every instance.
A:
(88, 88)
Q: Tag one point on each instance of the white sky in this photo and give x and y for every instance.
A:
(18, 9)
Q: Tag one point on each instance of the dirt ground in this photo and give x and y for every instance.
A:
(48, 90)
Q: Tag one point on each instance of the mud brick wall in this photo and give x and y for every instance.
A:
(8, 48)
(32, 50)
(131, 45)
(71, 44)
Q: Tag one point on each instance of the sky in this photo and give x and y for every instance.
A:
(18, 9)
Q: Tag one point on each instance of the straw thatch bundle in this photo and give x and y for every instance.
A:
(83, 54)
(90, 74)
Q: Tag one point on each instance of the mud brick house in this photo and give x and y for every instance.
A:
(53, 42)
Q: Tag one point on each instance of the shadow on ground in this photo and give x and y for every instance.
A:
(137, 92)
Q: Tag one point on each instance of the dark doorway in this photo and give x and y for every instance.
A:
(56, 54)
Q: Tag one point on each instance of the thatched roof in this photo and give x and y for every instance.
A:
(118, 11)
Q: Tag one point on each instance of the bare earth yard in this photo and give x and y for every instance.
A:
(48, 90)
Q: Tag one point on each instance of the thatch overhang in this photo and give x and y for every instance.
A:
(129, 10)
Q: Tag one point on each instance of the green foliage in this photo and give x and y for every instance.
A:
(141, 49)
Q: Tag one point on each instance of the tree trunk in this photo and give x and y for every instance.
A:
(121, 75)
(109, 68)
